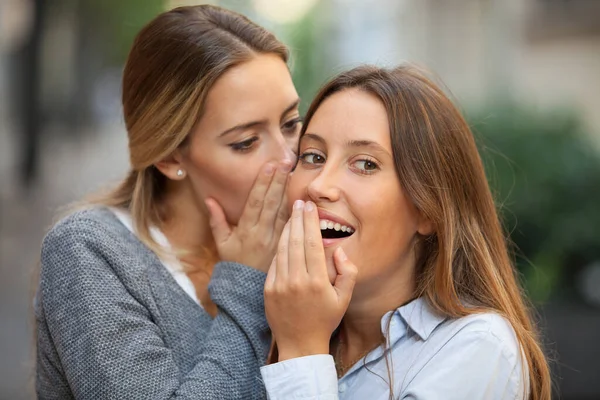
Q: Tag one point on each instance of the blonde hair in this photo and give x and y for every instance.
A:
(174, 61)
(466, 260)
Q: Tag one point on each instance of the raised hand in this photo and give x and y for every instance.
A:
(254, 240)
(303, 308)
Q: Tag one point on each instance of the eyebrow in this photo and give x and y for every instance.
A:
(351, 143)
(366, 143)
(252, 124)
(313, 136)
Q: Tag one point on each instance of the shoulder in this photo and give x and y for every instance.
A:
(489, 327)
(89, 241)
(93, 227)
(476, 356)
(89, 221)
(485, 335)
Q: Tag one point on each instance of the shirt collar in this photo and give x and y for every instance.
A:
(417, 316)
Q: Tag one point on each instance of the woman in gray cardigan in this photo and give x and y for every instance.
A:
(129, 305)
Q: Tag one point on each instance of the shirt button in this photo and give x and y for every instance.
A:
(342, 387)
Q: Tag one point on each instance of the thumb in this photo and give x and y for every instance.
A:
(218, 223)
(346, 275)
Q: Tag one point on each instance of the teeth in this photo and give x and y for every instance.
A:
(326, 224)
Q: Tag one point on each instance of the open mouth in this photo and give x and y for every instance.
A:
(334, 230)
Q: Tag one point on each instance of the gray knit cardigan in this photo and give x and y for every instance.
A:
(112, 323)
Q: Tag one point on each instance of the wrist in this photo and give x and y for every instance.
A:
(296, 350)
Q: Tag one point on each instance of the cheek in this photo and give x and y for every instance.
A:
(229, 183)
(232, 193)
(388, 226)
(297, 184)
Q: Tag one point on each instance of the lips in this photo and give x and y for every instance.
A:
(334, 228)
(329, 216)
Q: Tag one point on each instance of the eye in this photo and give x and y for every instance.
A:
(245, 145)
(292, 126)
(312, 158)
(366, 166)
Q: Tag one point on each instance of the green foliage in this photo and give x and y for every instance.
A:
(308, 61)
(545, 173)
(121, 20)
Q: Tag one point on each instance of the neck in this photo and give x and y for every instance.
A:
(185, 224)
(361, 327)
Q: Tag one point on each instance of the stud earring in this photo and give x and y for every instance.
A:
(179, 172)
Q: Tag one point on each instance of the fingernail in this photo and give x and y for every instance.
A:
(269, 169)
(309, 206)
(298, 204)
(285, 167)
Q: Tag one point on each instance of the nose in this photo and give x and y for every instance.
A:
(286, 151)
(325, 186)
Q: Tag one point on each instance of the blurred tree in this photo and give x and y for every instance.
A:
(546, 176)
(29, 110)
(119, 22)
(306, 40)
(105, 30)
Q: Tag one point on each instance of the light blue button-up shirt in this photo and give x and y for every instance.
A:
(430, 357)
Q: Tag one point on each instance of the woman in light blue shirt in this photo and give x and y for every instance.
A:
(389, 177)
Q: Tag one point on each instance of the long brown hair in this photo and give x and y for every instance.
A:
(173, 63)
(466, 260)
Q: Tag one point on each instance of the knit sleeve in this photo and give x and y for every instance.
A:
(101, 341)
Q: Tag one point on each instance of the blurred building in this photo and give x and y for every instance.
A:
(546, 52)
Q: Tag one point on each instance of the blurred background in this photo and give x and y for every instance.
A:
(525, 72)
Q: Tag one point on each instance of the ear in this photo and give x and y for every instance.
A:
(425, 226)
(172, 166)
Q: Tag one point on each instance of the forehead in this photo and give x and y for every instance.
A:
(252, 89)
(351, 114)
